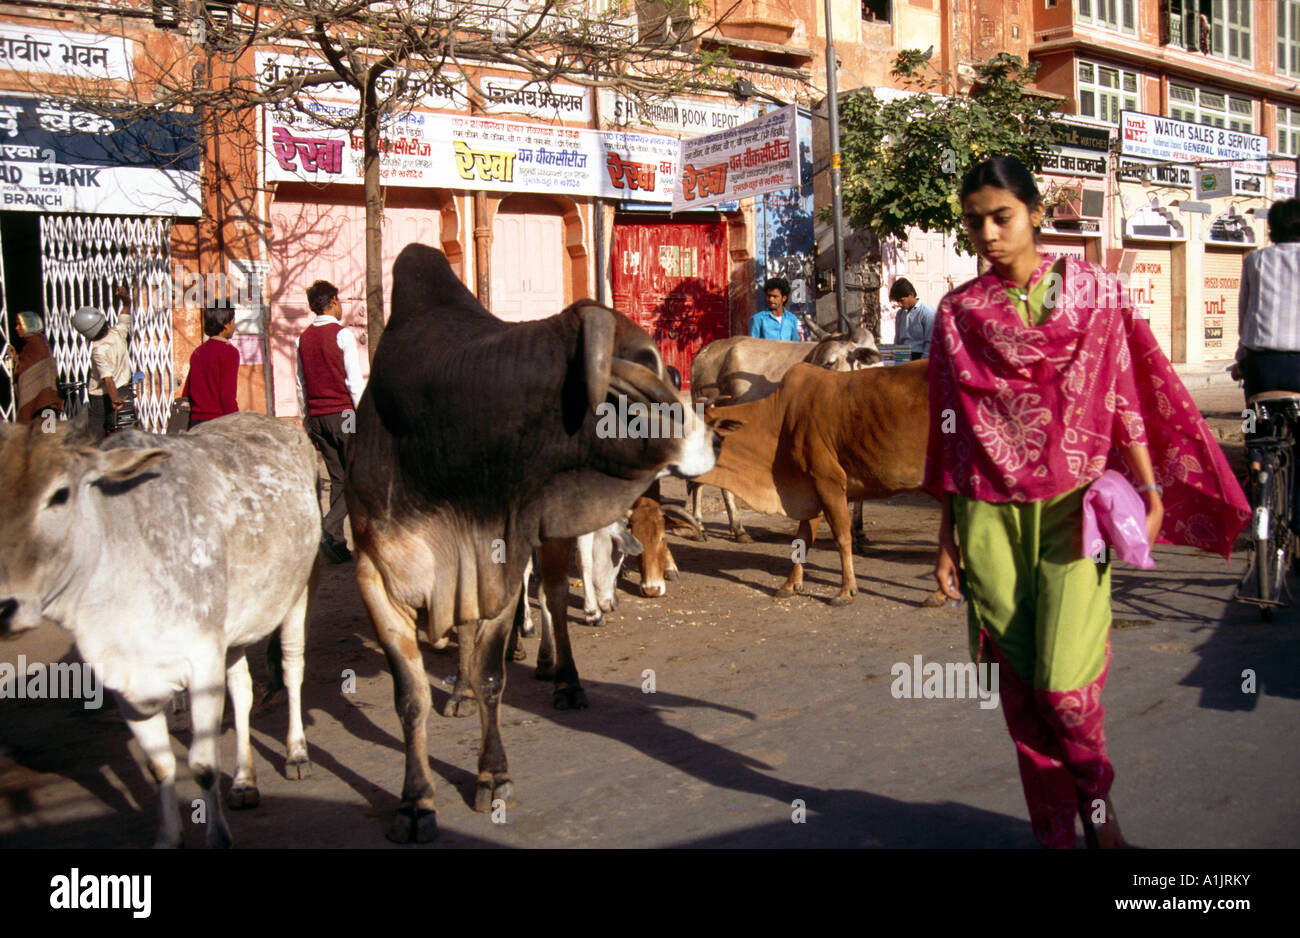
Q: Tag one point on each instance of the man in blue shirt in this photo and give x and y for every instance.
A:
(915, 320)
(775, 323)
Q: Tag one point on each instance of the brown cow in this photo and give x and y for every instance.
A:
(823, 439)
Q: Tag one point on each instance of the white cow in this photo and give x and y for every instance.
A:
(166, 557)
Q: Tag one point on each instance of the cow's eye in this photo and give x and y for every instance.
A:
(59, 497)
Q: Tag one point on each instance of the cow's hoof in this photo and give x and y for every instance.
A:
(594, 618)
(488, 793)
(459, 706)
(841, 600)
(545, 670)
(243, 795)
(413, 825)
(610, 605)
(744, 538)
(670, 573)
(860, 544)
(297, 766)
(787, 592)
(572, 697)
(937, 598)
(518, 653)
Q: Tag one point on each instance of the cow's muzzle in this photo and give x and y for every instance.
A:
(12, 621)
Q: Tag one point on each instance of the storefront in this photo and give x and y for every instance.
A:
(1146, 264)
(87, 203)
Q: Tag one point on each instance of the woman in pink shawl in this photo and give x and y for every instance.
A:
(1042, 377)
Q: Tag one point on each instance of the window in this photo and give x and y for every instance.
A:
(875, 11)
(1288, 130)
(1229, 28)
(1202, 106)
(1105, 91)
(1116, 14)
(1288, 36)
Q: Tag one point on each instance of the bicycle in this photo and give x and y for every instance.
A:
(1272, 478)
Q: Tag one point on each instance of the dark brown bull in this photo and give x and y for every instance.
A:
(477, 441)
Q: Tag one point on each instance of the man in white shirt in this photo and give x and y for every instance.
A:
(1268, 307)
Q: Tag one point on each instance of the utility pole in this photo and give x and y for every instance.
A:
(837, 209)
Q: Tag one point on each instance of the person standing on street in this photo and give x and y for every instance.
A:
(1041, 377)
(775, 323)
(110, 363)
(329, 390)
(1268, 307)
(214, 369)
(35, 374)
(915, 320)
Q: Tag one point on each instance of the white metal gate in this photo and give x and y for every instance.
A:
(9, 393)
(83, 257)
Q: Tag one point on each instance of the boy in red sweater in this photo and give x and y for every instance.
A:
(214, 369)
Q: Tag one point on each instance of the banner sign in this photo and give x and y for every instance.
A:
(450, 151)
(757, 157)
(1067, 161)
(429, 89)
(685, 116)
(1169, 140)
(55, 157)
(34, 50)
(541, 99)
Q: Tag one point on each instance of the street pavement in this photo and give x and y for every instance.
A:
(770, 724)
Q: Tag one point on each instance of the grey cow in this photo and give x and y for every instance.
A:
(165, 557)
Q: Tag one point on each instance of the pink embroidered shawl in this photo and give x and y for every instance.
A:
(1034, 412)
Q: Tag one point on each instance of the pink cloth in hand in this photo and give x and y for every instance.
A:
(1114, 514)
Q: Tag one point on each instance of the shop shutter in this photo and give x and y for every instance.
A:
(1151, 291)
(1222, 273)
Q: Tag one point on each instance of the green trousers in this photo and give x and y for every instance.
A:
(1046, 607)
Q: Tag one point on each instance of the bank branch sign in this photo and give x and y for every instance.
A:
(1174, 141)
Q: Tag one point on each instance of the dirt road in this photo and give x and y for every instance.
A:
(764, 714)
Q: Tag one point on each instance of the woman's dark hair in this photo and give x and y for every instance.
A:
(1284, 221)
(215, 318)
(1004, 172)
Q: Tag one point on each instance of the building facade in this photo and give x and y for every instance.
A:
(1186, 90)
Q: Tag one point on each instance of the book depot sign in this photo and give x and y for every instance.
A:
(57, 157)
(1167, 140)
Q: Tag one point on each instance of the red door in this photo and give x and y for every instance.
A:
(671, 279)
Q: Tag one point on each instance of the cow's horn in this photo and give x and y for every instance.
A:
(597, 337)
(683, 516)
(816, 331)
(639, 381)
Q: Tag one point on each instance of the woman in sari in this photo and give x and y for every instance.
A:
(1046, 378)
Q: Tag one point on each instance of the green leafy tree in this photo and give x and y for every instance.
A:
(903, 157)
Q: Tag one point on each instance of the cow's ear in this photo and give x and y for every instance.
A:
(597, 339)
(727, 426)
(864, 357)
(78, 428)
(119, 465)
